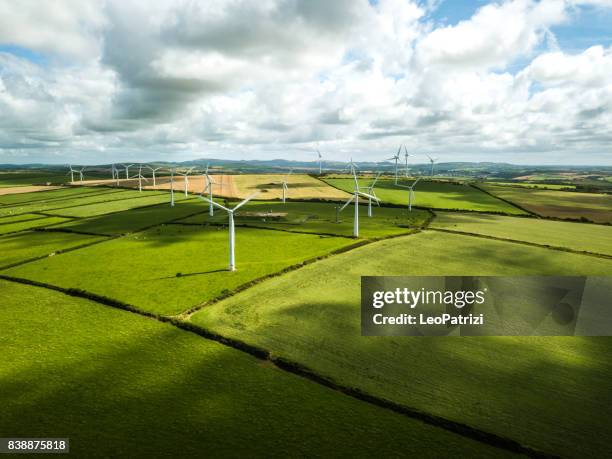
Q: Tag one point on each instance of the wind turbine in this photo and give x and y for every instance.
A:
(186, 181)
(71, 173)
(396, 158)
(81, 174)
(127, 170)
(172, 187)
(285, 187)
(320, 162)
(432, 161)
(411, 193)
(140, 177)
(406, 155)
(153, 171)
(232, 237)
(355, 198)
(209, 189)
(352, 167)
(372, 195)
(115, 174)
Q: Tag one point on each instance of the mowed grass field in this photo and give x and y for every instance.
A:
(319, 218)
(141, 269)
(123, 385)
(547, 393)
(18, 247)
(542, 186)
(596, 207)
(30, 221)
(575, 236)
(434, 195)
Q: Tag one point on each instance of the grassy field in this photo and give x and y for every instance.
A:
(29, 224)
(575, 236)
(135, 219)
(23, 178)
(433, 194)
(117, 202)
(595, 207)
(70, 367)
(300, 187)
(141, 269)
(556, 387)
(53, 204)
(23, 246)
(49, 196)
(320, 218)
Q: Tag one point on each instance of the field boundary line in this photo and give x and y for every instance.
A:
(289, 366)
(473, 185)
(532, 244)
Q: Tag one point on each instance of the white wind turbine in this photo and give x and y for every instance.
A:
(285, 187)
(186, 180)
(153, 170)
(406, 155)
(127, 170)
(172, 187)
(232, 236)
(71, 173)
(355, 198)
(432, 161)
(412, 194)
(396, 158)
(81, 173)
(209, 189)
(372, 195)
(140, 177)
(320, 162)
(115, 174)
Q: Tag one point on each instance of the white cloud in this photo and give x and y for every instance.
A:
(273, 78)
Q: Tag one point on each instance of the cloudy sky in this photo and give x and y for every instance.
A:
(521, 81)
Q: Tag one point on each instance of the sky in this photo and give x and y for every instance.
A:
(518, 81)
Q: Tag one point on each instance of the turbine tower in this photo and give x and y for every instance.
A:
(140, 177)
(320, 162)
(406, 155)
(81, 174)
(153, 171)
(412, 194)
(186, 180)
(372, 195)
(209, 189)
(172, 187)
(71, 173)
(285, 187)
(355, 198)
(432, 161)
(232, 237)
(396, 158)
(127, 170)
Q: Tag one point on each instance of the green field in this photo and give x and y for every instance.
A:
(50, 195)
(31, 244)
(22, 178)
(554, 386)
(574, 236)
(596, 207)
(135, 219)
(141, 269)
(433, 195)
(320, 218)
(122, 385)
(30, 223)
(68, 202)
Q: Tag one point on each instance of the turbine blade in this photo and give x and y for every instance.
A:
(366, 195)
(204, 198)
(242, 203)
(351, 199)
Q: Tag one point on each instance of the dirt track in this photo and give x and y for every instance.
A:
(26, 189)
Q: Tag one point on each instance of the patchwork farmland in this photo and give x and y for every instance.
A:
(107, 285)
